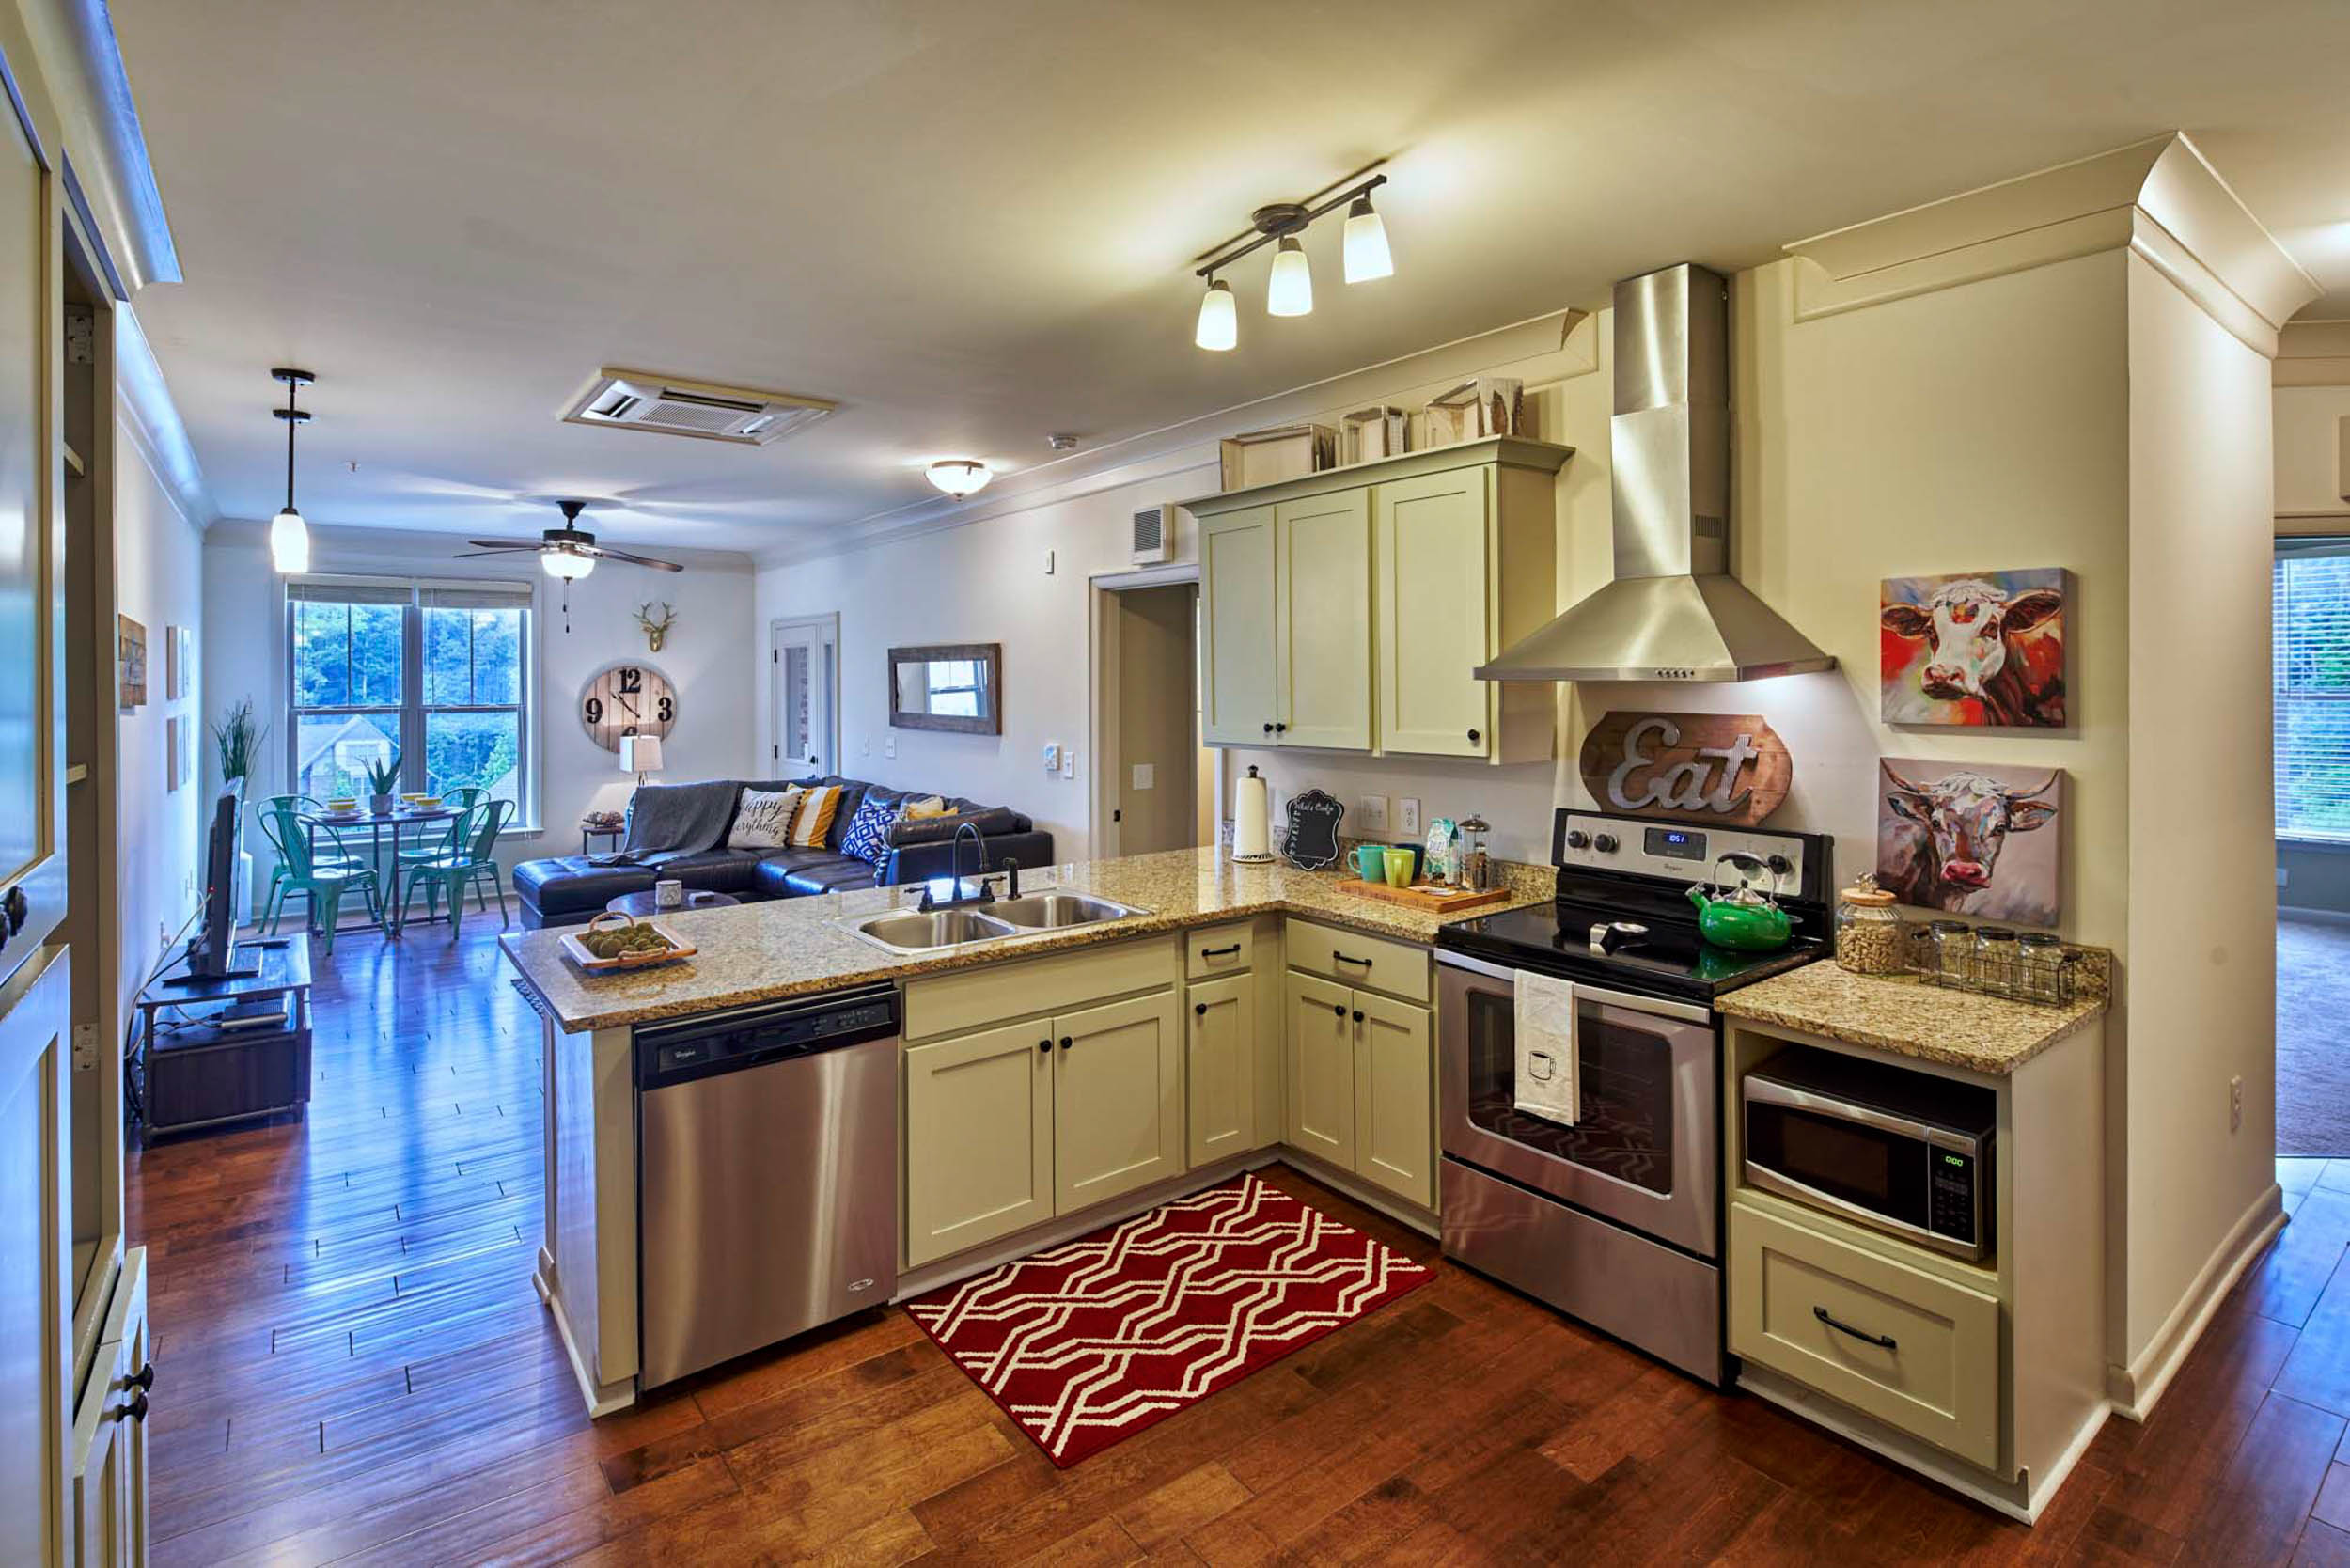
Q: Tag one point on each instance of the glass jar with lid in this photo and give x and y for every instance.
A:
(1950, 952)
(1995, 955)
(1870, 939)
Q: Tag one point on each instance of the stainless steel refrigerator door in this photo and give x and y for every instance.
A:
(768, 1204)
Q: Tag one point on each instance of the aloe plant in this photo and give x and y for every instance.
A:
(384, 776)
(238, 736)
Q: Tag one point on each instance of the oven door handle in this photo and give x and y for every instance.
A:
(1654, 1006)
(1757, 1088)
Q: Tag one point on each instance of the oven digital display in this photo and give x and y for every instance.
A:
(1679, 843)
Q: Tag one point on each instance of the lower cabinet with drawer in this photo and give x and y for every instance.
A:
(1912, 1348)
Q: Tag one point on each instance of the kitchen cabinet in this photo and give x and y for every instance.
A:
(1237, 621)
(1321, 655)
(1118, 1100)
(1395, 1104)
(980, 1138)
(110, 1433)
(1321, 1040)
(1220, 1069)
(1377, 589)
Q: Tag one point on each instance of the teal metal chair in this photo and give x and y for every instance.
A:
(467, 865)
(321, 880)
(301, 804)
(440, 846)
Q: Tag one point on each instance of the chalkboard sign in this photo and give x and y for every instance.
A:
(1310, 841)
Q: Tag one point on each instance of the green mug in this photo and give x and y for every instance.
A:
(1371, 862)
(1399, 865)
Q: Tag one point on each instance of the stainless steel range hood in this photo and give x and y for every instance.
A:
(1674, 612)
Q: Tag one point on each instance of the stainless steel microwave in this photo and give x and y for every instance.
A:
(1908, 1152)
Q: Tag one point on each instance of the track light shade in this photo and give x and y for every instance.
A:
(1219, 318)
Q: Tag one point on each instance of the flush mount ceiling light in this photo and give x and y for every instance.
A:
(288, 536)
(960, 476)
(1289, 290)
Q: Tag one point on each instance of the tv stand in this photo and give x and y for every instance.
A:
(188, 977)
(191, 1073)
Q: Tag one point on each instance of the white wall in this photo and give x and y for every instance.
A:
(703, 657)
(158, 583)
(2203, 960)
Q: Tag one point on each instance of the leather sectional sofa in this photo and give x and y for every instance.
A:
(571, 889)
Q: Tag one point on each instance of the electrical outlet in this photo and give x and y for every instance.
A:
(2236, 1104)
(1374, 810)
(1409, 824)
(1145, 774)
(1069, 762)
(890, 745)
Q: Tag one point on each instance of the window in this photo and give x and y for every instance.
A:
(434, 674)
(955, 687)
(2310, 647)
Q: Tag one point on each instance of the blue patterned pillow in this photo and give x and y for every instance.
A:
(867, 838)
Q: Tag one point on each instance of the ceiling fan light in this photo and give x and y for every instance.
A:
(288, 543)
(1367, 254)
(565, 563)
(960, 476)
(1219, 318)
(1291, 291)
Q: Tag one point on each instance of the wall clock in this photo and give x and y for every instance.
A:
(627, 700)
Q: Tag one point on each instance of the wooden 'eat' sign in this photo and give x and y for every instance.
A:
(1697, 767)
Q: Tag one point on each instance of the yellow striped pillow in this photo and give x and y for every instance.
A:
(815, 819)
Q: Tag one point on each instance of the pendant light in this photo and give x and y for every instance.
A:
(288, 536)
(1291, 291)
(1367, 255)
(960, 476)
(1219, 317)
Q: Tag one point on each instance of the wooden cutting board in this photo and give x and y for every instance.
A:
(1431, 897)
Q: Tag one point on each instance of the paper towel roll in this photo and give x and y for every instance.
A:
(1252, 833)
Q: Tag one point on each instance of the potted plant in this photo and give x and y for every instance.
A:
(383, 778)
(239, 735)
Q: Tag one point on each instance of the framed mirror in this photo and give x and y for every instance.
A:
(954, 686)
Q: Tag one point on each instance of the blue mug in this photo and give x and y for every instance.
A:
(1371, 862)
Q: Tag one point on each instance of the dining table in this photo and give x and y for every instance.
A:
(377, 823)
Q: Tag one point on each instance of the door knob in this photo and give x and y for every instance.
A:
(1339, 1010)
(1281, 729)
(143, 1378)
(1065, 1043)
(135, 1410)
(1044, 1045)
(1472, 737)
(1199, 1008)
(1268, 729)
(1358, 1015)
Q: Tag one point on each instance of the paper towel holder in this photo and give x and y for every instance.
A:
(1252, 825)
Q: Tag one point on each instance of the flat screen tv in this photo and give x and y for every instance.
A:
(212, 950)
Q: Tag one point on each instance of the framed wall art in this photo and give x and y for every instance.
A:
(1970, 840)
(1976, 648)
(131, 662)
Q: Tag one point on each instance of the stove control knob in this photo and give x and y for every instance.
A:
(1605, 843)
(1579, 839)
(1779, 865)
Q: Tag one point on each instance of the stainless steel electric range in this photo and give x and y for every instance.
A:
(1615, 1219)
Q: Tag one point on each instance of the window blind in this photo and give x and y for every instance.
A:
(473, 596)
(2310, 631)
(347, 590)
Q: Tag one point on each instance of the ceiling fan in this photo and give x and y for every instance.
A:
(570, 551)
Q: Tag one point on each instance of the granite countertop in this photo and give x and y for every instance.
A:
(1903, 1014)
(757, 952)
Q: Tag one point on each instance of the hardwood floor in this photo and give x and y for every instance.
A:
(351, 1366)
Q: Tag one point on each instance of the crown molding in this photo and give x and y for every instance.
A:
(2312, 353)
(152, 419)
(2159, 198)
(96, 123)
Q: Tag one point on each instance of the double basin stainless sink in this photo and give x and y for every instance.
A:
(912, 931)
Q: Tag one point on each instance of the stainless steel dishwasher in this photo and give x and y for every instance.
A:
(767, 1174)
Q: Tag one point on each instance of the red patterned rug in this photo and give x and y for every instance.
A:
(1092, 1341)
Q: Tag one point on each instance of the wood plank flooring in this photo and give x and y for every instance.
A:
(351, 1366)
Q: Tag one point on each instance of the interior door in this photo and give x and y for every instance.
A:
(1118, 1101)
(1322, 648)
(1436, 605)
(1317, 1018)
(1236, 621)
(805, 659)
(36, 1248)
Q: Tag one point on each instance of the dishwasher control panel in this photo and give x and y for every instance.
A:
(692, 1047)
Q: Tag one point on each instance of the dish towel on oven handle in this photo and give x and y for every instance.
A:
(1548, 1078)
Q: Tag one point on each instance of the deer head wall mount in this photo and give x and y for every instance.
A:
(656, 632)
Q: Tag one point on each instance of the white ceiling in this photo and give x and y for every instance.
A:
(971, 223)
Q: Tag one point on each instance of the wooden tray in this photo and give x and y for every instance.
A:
(588, 962)
(1431, 897)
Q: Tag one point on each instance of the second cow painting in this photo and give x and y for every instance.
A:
(1984, 648)
(1982, 842)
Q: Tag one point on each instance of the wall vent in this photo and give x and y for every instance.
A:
(1155, 535)
(668, 405)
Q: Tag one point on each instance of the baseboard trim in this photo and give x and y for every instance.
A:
(2134, 1390)
(601, 1398)
(1362, 1192)
(2305, 915)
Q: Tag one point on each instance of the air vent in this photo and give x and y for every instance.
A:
(664, 405)
(1155, 535)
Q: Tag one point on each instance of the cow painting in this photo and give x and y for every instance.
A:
(1983, 649)
(1948, 838)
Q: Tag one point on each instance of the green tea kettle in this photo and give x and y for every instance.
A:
(1745, 918)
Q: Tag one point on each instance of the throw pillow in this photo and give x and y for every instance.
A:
(929, 806)
(817, 807)
(763, 819)
(867, 838)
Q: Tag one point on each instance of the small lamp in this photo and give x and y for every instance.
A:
(640, 754)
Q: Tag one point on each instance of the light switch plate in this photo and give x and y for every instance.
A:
(1409, 826)
(1145, 774)
(1374, 810)
(889, 745)
(1069, 764)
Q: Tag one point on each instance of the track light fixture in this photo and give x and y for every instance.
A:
(289, 535)
(1289, 290)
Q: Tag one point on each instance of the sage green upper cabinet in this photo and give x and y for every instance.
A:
(1376, 590)
(1321, 629)
(1236, 579)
